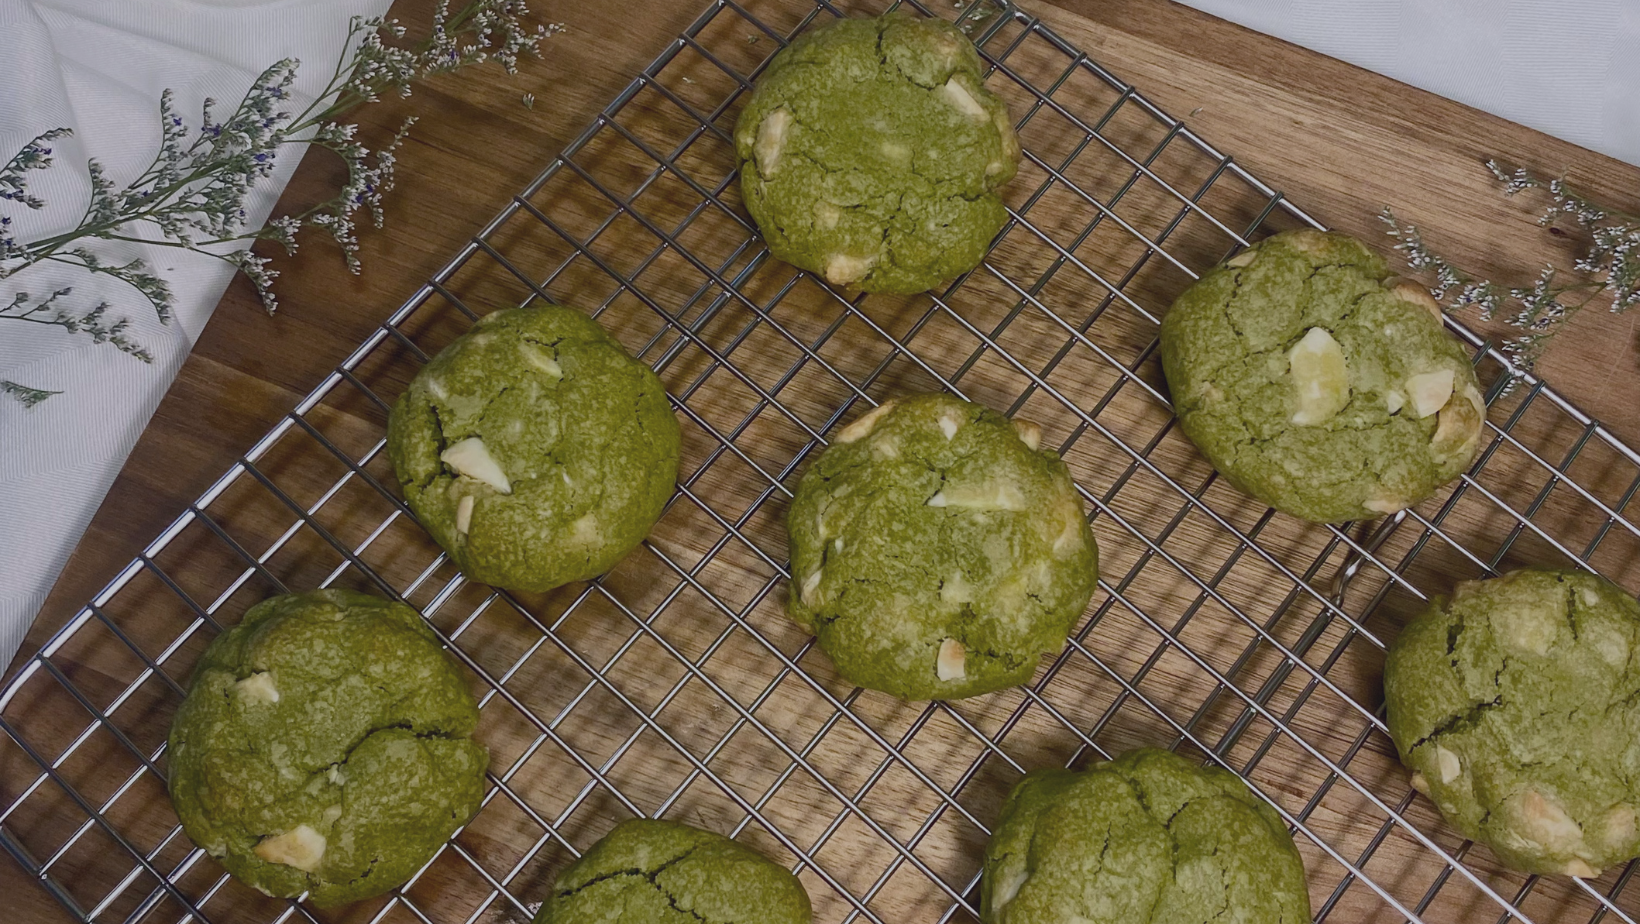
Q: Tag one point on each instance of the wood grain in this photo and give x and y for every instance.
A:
(1339, 141)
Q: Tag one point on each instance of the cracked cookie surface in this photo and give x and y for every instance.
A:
(938, 551)
(324, 746)
(871, 153)
(1516, 704)
(534, 449)
(1318, 384)
(1147, 837)
(662, 872)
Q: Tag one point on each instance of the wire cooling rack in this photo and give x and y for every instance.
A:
(675, 686)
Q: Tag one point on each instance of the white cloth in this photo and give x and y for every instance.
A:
(1564, 67)
(99, 67)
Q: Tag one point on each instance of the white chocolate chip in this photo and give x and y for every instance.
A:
(810, 584)
(1448, 763)
(1320, 375)
(1430, 391)
(950, 423)
(844, 269)
(1526, 628)
(1581, 869)
(950, 663)
(464, 514)
(826, 215)
(301, 847)
(1419, 783)
(938, 500)
(334, 774)
(956, 589)
(837, 544)
(586, 529)
(771, 140)
(470, 457)
(957, 95)
(541, 359)
(1030, 432)
(1069, 539)
(438, 389)
(1588, 596)
(896, 153)
(865, 424)
(1394, 401)
(885, 447)
(258, 688)
(1245, 258)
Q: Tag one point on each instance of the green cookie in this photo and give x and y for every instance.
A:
(1148, 838)
(662, 872)
(323, 747)
(937, 552)
(1316, 383)
(1514, 702)
(534, 449)
(871, 152)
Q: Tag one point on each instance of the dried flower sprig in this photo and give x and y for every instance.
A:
(1610, 266)
(192, 196)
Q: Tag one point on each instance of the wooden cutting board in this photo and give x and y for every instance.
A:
(1341, 142)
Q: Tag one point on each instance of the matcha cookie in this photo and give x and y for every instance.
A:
(937, 551)
(1514, 703)
(1316, 383)
(871, 152)
(661, 872)
(534, 449)
(1147, 837)
(323, 747)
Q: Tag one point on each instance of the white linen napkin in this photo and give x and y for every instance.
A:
(99, 67)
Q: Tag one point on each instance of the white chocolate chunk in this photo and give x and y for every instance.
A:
(771, 140)
(1459, 425)
(864, 424)
(1430, 391)
(844, 269)
(1448, 763)
(896, 153)
(1419, 783)
(885, 447)
(1545, 822)
(464, 514)
(826, 215)
(1526, 628)
(957, 95)
(258, 688)
(1414, 294)
(810, 584)
(1321, 377)
(1580, 868)
(1245, 258)
(586, 529)
(301, 847)
(950, 663)
(470, 457)
(541, 359)
(994, 495)
(1069, 539)
(956, 589)
(1394, 401)
(1386, 504)
(438, 389)
(1008, 884)
(1588, 596)
(950, 423)
(1619, 825)
(1030, 432)
(334, 774)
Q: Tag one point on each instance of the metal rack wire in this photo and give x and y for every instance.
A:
(674, 686)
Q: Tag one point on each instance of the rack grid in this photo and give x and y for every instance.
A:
(674, 685)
